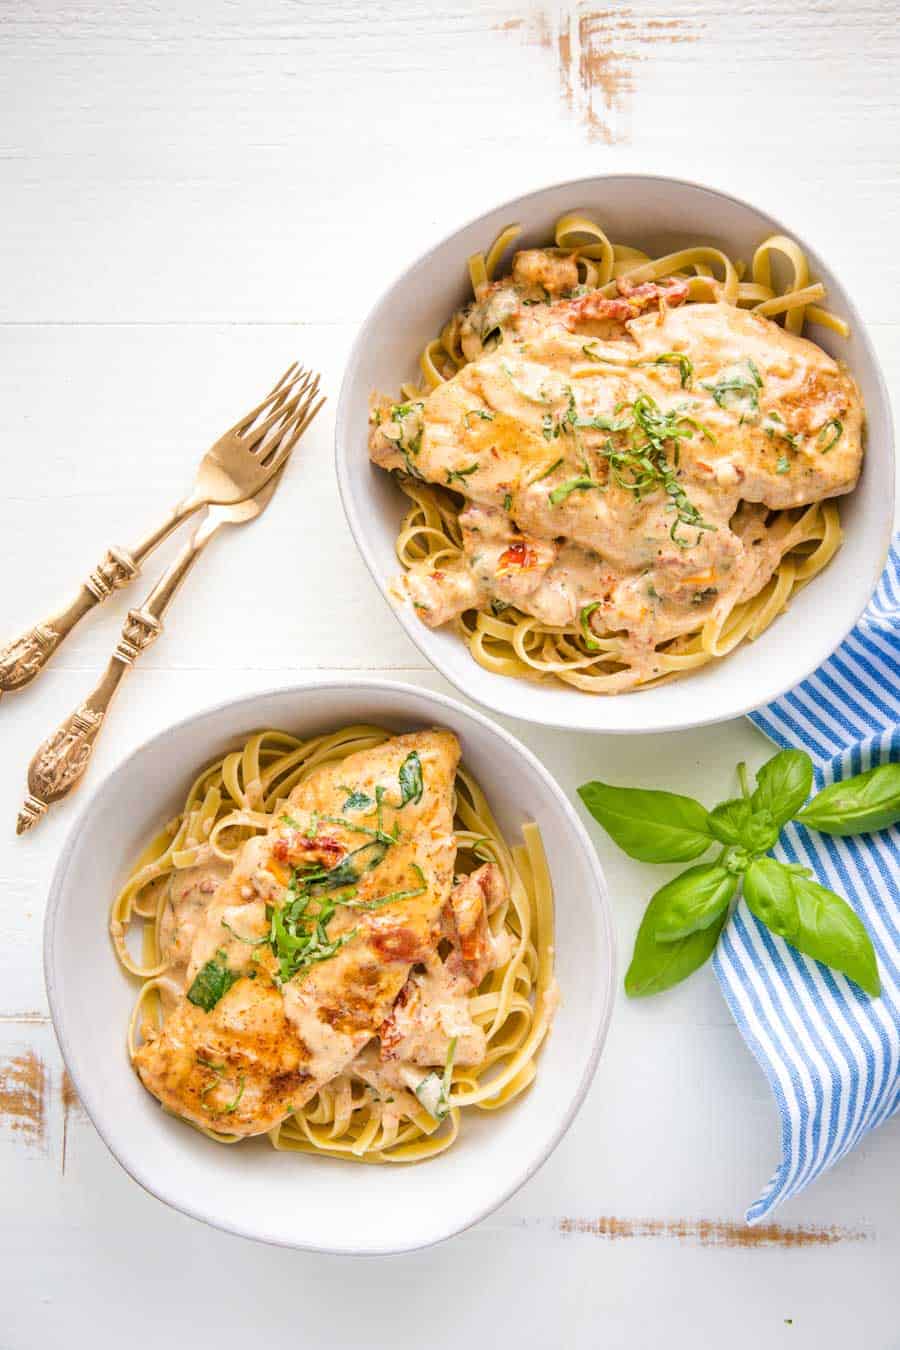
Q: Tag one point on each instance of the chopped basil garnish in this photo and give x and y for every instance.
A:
(300, 940)
(210, 983)
(644, 465)
(830, 434)
(580, 484)
(589, 640)
(251, 942)
(601, 423)
(348, 871)
(233, 1105)
(411, 783)
(379, 901)
(434, 1092)
(774, 425)
(545, 473)
(461, 474)
(408, 438)
(737, 387)
(684, 364)
(428, 1091)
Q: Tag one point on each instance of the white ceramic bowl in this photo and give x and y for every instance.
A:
(657, 214)
(293, 1199)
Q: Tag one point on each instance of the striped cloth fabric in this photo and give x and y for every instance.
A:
(831, 1054)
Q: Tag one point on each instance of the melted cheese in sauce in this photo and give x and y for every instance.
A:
(529, 433)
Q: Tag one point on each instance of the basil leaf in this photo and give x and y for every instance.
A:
(411, 784)
(210, 983)
(656, 965)
(729, 821)
(736, 822)
(693, 900)
(350, 868)
(831, 932)
(783, 785)
(580, 484)
(650, 826)
(870, 801)
(358, 801)
(769, 892)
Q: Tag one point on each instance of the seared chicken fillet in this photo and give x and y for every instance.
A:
(543, 433)
(279, 999)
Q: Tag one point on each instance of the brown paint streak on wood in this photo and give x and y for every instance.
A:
(541, 30)
(71, 1103)
(564, 44)
(605, 71)
(69, 1096)
(23, 1082)
(596, 53)
(712, 1232)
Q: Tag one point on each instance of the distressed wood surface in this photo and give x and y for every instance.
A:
(192, 196)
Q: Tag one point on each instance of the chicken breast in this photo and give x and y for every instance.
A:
(604, 446)
(300, 953)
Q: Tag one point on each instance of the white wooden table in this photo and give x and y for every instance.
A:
(192, 195)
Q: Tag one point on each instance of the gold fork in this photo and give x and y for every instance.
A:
(233, 469)
(63, 758)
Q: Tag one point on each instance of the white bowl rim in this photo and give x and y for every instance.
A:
(604, 932)
(416, 631)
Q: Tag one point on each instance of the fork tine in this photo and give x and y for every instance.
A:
(301, 426)
(280, 423)
(259, 438)
(257, 434)
(287, 434)
(291, 433)
(275, 396)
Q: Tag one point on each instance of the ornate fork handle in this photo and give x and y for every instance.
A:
(62, 759)
(23, 659)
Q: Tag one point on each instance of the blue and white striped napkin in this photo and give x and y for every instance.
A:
(830, 1053)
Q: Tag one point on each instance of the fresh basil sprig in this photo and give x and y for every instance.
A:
(684, 918)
